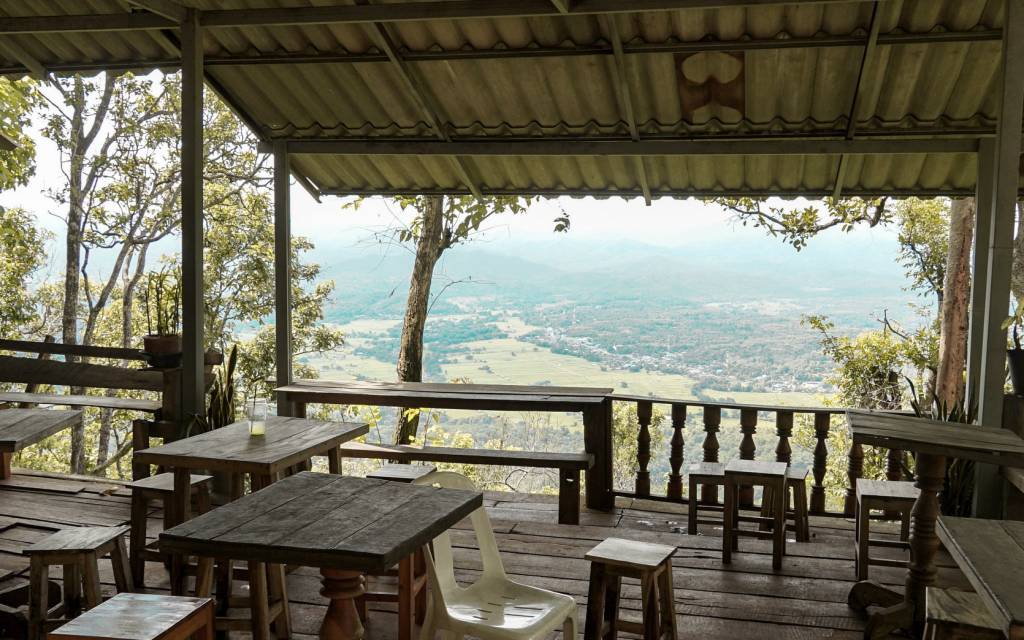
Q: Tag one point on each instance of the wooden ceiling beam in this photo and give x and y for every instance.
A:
(423, 10)
(554, 147)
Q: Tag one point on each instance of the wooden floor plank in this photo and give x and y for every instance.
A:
(805, 599)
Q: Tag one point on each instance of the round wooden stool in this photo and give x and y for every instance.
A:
(78, 550)
(651, 564)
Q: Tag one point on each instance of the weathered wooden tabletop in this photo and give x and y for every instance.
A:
(446, 395)
(991, 555)
(20, 428)
(325, 521)
(287, 442)
(971, 442)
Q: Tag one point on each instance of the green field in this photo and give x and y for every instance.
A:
(512, 361)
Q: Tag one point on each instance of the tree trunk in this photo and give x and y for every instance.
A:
(410, 353)
(1017, 270)
(949, 379)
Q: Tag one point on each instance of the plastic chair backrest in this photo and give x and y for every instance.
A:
(442, 559)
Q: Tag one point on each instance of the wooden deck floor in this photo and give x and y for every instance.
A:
(805, 599)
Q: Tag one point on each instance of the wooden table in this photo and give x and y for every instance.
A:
(287, 443)
(343, 525)
(933, 441)
(594, 403)
(20, 428)
(991, 555)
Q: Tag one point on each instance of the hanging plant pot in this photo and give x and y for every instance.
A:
(1015, 359)
(164, 351)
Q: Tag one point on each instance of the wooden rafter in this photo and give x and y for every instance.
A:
(867, 62)
(10, 49)
(621, 81)
(164, 8)
(421, 96)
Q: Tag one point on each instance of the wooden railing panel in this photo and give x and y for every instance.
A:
(784, 430)
(29, 371)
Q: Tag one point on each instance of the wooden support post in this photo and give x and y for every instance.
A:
(597, 438)
(988, 492)
(979, 268)
(193, 398)
(282, 275)
(784, 429)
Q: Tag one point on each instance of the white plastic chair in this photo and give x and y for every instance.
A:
(493, 607)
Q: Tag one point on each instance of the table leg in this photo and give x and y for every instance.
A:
(5, 465)
(181, 502)
(906, 611)
(342, 620)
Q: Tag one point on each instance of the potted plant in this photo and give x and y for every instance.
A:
(1015, 354)
(162, 299)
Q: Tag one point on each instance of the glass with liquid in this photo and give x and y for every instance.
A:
(257, 418)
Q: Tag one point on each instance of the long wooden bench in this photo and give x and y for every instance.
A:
(569, 465)
(37, 373)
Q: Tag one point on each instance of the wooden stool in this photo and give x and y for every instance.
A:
(898, 497)
(402, 472)
(159, 487)
(702, 473)
(411, 571)
(140, 616)
(649, 563)
(78, 549)
(771, 476)
(958, 615)
(267, 600)
(796, 495)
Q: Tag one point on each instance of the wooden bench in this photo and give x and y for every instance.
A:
(569, 465)
(164, 419)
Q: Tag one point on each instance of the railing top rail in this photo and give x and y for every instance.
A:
(696, 402)
(115, 353)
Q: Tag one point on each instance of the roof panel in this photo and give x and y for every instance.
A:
(492, 85)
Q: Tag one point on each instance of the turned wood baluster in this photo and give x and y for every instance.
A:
(822, 421)
(854, 470)
(675, 458)
(712, 422)
(748, 425)
(893, 473)
(894, 465)
(644, 410)
(784, 429)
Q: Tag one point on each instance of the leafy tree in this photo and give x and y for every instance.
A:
(17, 99)
(21, 245)
(797, 225)
(438, 224)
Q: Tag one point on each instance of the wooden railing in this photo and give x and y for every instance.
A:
(750, 418)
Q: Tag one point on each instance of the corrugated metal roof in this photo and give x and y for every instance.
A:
(485, 78)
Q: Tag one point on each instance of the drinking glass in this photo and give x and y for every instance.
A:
(257, 417)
